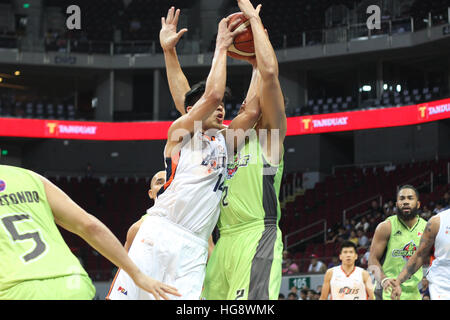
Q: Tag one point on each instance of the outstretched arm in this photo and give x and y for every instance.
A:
(248, 114)
(418, 259)
(169, 37)
(272, 100)
(71, 217)
(214, 87)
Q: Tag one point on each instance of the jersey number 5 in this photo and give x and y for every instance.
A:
(40, 247)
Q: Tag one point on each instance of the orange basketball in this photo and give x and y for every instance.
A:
(243, 46)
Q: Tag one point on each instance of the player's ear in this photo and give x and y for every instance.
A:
(150, 194)
(188, 108)
(418, 204)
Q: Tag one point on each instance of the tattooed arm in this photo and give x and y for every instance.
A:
(419, 258)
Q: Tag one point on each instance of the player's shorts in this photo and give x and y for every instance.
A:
(168, 253)
(74, 287)
(246, 264)
(407, 294)
(439, 291)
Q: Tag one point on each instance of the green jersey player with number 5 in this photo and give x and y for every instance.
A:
(36, 263)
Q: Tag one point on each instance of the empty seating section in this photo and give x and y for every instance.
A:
(38, 109)
(118, 203)
(389, 98)
(134, 20)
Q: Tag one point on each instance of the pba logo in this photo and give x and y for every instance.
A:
(122, 290)
(422, 112)
(2, 185)
(306, 124)
(407, 251)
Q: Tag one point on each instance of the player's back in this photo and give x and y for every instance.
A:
(190, 198)
(31, 244)
(347, 286)
(251, 189)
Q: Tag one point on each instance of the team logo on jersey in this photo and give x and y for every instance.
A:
(347, 290)
(2, 185)
(407, 251)
(238, 162)
(123, 291)
(398, 233)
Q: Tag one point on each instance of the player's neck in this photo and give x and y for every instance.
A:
(411, 222)
(348, 268)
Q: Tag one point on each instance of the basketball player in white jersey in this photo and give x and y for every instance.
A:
(347, 281)
(437, 236)
(157, 182)
(172, 242)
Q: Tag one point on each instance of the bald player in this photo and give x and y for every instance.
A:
(158, 180)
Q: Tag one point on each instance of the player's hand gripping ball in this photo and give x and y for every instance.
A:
(242, 47)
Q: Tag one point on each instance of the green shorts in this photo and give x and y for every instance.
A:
(245, 264)
(407, 294)
(74, 287)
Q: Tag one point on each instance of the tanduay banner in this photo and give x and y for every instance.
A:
(157, 130)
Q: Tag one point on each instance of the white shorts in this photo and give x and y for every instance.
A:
(166, 252)
(438, 292)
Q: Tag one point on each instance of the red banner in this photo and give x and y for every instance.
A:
(370, 119)
(157, 130)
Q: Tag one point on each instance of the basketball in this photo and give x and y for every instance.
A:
(243, 46)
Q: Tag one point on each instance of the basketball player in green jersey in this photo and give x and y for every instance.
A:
(394, 242)
(246, 261)
(36, 263)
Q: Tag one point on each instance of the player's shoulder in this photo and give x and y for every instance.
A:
(384, 227)
(330, 271)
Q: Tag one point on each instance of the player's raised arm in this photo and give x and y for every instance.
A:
(248, 114)
(379, 244)
(73, 218)
(272, 100)
(168, 38)
(419, 257)
(326, 285)
(215, 83)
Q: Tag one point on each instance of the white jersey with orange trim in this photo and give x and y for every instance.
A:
(347, 287)
(172, 243)
(190, 198)
(438, 274)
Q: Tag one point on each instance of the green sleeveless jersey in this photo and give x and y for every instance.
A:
(31, 245)
(251, 189)
(402, 244)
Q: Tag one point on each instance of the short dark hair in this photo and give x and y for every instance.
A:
(348, 244)
(292, 294)
(196, 92)
(408, 186)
